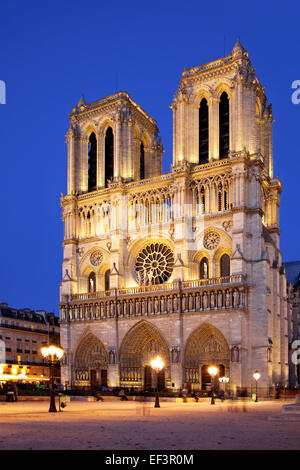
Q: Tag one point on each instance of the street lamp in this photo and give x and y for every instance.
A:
(212, 370)
(157, 364)
(224, 380)
(53, 354)
(256, 376)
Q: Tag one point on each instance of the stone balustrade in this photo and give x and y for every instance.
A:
(187, 296)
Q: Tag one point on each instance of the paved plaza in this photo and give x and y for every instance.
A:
(138, 426)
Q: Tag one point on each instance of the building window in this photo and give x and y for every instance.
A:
(224, 126)
(92, 163)
(204, 272)
(225, 266)
(220, 196)
(92, 282)
(142, 161)
(203, 132)
(109, 156)
(107, 279)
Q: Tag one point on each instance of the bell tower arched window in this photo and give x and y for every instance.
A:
(203, 131)
(92, 282)
(92, 163)
(109, 155)
(142, 161)
(204, 272)
(224, 126)
(225, 266)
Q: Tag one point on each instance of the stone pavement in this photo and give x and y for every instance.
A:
(138, 426)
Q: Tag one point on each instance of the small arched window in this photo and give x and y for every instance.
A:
(92, 163)
(220, 196)
(203, 131)
(224, 126)
(92, 282)
(202, 200)
(107, 279)
(204, 271)
(225, 197)
(142, 161)
(225, 266)
(109, 156)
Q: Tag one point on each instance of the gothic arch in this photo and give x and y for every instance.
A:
(142, 343)
(224, 86)
(90, 353)
(104, 124)
(206, 345)
(87, 129)
(198, 94)
(85, 266)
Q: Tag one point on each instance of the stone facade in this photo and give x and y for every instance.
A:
(187, 264)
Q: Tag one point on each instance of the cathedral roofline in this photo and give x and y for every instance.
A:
(84, 108)
(237, 53)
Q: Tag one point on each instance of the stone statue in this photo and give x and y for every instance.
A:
(235, 298)
(205, 301)
(235, 353)
(227, 299)
(220, 299)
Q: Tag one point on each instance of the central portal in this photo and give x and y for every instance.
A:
(150, 379)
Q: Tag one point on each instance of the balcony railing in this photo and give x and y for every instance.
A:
(188, 296)
(171, 286)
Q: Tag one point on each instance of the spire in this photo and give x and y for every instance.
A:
(238, 49)
(81, 102)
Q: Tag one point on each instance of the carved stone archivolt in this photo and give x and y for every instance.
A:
(90, 354)
(206, 345)
(140, 345)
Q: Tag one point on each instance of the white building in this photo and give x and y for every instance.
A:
(187, 264)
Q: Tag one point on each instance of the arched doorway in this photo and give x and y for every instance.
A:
(140, 346)
(206, 346)
(90, 363)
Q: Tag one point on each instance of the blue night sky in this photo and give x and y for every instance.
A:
(51, 52)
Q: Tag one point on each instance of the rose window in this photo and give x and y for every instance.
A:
(154, 264)
(211, 240)
(96, 258)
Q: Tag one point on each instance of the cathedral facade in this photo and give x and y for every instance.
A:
(184, 265)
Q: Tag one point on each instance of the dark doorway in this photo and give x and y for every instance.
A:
(147, 377)
(205, 377)
(104, 377)
(161, 380)
(94, 382)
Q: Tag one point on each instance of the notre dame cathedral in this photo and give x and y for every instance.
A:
(184, 265)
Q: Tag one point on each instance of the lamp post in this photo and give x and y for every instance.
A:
(224, 380)
(157, 364)
(256, 376)
(212, 370)
(53, 354)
